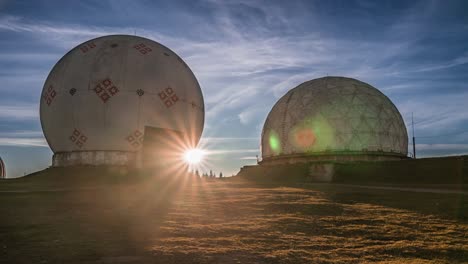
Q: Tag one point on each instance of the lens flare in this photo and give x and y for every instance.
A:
(275, 143)
(304, 138)
(194, 156)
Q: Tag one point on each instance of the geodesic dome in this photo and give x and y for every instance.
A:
(100, 96)
(334, 118)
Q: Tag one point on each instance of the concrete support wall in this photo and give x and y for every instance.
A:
(95, 158)
(332, 157)
(440, 170)
(321, 172)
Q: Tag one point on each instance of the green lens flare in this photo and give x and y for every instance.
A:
(313, 134)
(275, 143)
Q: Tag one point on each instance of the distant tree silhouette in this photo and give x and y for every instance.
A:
(197, 174)
(211, 174)
(220, 175)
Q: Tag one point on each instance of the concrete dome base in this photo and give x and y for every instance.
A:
(94, 158)
(331, 157)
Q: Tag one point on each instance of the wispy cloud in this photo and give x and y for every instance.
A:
(66, 36)
(19, 112)
(463, 59)
(17, 24)
(227, 139)
(437, 114)
(442, 147)
(230, 151)
(22, 134)
(23, 142)
(248, 65)
(248, 158)
(252, 114)
(23, 138)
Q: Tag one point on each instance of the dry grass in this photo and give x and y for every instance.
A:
(290, 225)
(220, 222)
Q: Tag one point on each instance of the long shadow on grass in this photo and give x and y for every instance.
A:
(74, 216)
(449, 206)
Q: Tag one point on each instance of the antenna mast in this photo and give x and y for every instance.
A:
(414, 141)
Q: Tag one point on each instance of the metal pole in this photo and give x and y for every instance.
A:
(414, 141)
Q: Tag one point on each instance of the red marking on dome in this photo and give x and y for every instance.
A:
(106, 82)
(162, 95)
(169, 90)
(49, 95)
(168, 96)
(87, 47)
(105, 90)
(104, 97)
(78, 138)
(142, 48)
(113, 90)
(135, 139)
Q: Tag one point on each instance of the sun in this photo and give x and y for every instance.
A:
(194, 156)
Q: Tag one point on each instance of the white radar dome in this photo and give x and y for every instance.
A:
(100, 96)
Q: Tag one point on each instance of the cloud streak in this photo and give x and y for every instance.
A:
(19, 112)
(230, 151)
(442, 147)
(23, 142)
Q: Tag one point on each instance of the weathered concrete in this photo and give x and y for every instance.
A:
(331, 157)
(321, 172)
(94, 158)
(441, 170)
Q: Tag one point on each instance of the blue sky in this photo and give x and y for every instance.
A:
(246, 55)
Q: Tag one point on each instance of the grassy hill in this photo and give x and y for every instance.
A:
(102, 215)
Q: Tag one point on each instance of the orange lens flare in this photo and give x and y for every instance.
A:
(304, 138)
